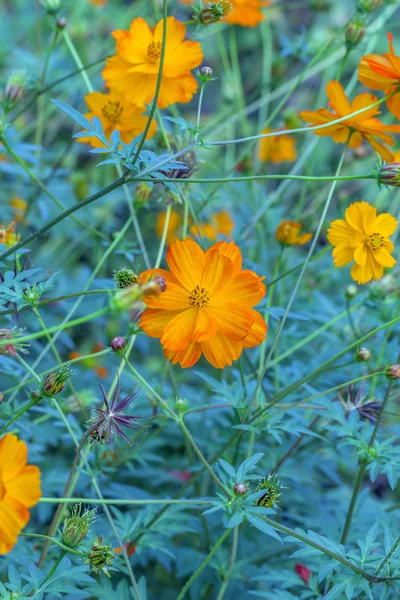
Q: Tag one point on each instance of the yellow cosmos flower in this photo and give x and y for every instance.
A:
(247, 13)
(8, 236)
(363, 237)
(19, 490)
(281, 148)
(288, 233)
(114, 113)
(382, 73)
(207, 305)
(134, 69)
(363, 126)
(19, 206)
(221, 223)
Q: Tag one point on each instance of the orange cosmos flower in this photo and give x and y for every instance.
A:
(288, 233)
(8, 236)
(221, 223)
(382, 73)
(363, 126)
(247, 13)
(207, 305)
(19, 490)
(115, 112)
(363, 237)
(134, 69)
(281, 148)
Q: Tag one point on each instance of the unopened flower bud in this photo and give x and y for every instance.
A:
(126, 299)
(160, 281)
(52, 6)
(240, 489)
(61, 23)
(351, 291)
(55, 382)
(142, 194)
(206, 74)
(181, 403)
(118, 344)
(101, 556)
(76, 526)
(370, 5)
(213, 12)
(14, 88)
(389, 174)
(273, 489)
(354, 33)
(393, 371)
(363, 355)
(125, 277)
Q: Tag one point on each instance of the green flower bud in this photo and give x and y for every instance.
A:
(52, 6)
(363, 355)
(273, 490)
(55, 382)
(76, 526)
(212, 12)
(101, 556)
(389, 175)
(354, 33)
(393, 371)
(370, 5)
(142, 194)
(125, 277)
(125, 299)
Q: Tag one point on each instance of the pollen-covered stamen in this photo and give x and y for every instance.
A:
(154, 51)
(199, 297)
(375, 241)
(112, 111)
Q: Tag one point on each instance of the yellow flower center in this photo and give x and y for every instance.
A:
(154, 51)
(112, 111)
(199, 297)
(375, 241)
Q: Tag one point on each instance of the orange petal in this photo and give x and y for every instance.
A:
(206, 326)
(233, 320)
(25, 487)
(217, 270)
(153, 321)
(245, 288)
(178, 334)
(186, 358)
(221, 351)
(230, 250)
(337, 98)
(258, 331)
(186, 262)
(13, 456)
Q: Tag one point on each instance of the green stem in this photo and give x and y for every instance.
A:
(54, 567)
(202, 86)
(17, 415)
(151, 390)
(273, 177)
(77, 59)
(203, 565)
(54, 540)
(44, 333)
(188, 436)
(61, 217)
(163, 237)
(353, 502)
(127, 502)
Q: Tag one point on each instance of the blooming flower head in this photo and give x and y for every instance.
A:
(19, 490)
(288, 233)
(115, 112)
(221, 223)
(247, 13)
(363, 126)
(207, 305)
(363, 237)
(277, 149)
(134, 69)
(8, 236)
(382, 73)
(19, 206)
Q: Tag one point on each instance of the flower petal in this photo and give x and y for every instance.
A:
(233, 320)
(25, 487)
(206, 326)
(221, 351)
(186, 262)
(337, 98)
(257, 333)
(153, 321)
(178, 334)
(385, 224)
(13, 456)
(217, 271)
(186, 358)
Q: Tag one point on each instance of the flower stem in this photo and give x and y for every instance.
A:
(77, 59)
(21, 411)
(203, 564)
(199, 111)
(163, 237)
(54, 567)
